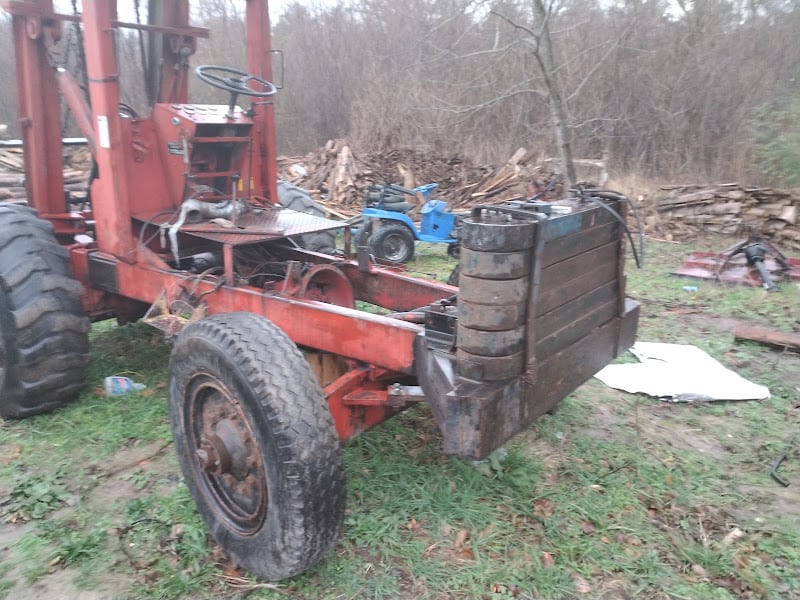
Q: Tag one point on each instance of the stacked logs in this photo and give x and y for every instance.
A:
(12, 174)
(339, 179)
(729, 209)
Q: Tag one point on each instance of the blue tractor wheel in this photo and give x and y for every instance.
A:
(392, 242)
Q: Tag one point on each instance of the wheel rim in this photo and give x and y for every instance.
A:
(394, 247)
(228, 463)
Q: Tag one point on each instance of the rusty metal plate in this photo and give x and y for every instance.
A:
(724, 269)
(490, 343)
(488, 369)
(495, 265)
(489, 317)
(261, 225)
(495, 292)
(497, 233)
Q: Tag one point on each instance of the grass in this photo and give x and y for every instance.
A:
(613, 496)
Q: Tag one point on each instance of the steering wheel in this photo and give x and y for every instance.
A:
(235, 81)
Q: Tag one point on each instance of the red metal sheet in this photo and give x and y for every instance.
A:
(718, 266)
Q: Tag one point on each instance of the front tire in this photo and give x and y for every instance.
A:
(393, 242)
(257, 443)
(44, 343)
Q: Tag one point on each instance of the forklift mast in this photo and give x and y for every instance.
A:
(115, 138)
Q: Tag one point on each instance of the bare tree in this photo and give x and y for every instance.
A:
(540, 44)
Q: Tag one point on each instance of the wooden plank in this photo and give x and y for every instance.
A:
(563, 315)
(555, 294)
(561, 373)
(769, 337)
(578, 265)
(579, 242)
(577, 329)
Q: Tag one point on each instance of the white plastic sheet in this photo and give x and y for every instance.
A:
(679, 373)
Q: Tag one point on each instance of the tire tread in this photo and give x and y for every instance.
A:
(44, 327)
(298, 418)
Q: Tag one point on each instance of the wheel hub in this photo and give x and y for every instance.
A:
(229, 464)
(225, 452)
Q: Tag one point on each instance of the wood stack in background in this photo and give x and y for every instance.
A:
(12, 173)
(339, 179)
(729, 209)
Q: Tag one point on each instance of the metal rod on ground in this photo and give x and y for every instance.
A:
(781, 458)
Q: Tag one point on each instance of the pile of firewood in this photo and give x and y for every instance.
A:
(339, 179)
(12, 175)
(729, 209)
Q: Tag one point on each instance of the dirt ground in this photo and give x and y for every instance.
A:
(113, 484)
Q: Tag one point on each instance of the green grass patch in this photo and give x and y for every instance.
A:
(614, 495)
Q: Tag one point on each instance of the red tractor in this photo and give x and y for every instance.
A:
(273, 366)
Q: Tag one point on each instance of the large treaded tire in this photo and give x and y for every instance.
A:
(44, 344)
(277, 506)
(295, 198)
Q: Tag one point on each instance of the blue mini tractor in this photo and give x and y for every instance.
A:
(390, 233)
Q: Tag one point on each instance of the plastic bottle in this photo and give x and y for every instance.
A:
(119, 386)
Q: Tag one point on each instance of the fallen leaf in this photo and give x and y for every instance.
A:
(729, 582)
(505, 589)
(741, 562)
(547, 560)
(415, 526)
(627, 538)
(460, 539)
(542, 507)
(699, 571)
(466, 553)
(581, 585)
(733, 535)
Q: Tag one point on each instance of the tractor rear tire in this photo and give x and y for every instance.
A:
(393, 242)
(44, 343)
(295, 198)
(257, 444)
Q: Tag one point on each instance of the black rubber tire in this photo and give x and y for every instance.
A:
(392, 242)
(296, 519)
(295, 198)
(44, 343)
(454, 275)
(362, 234)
